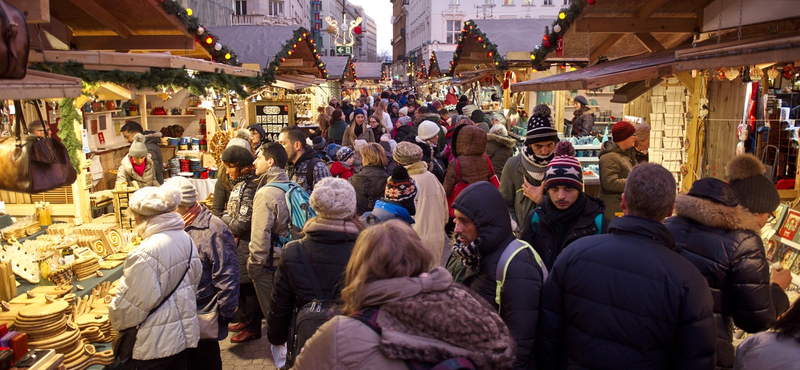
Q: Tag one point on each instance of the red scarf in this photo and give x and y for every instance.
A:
(139, 169)
(191, 214)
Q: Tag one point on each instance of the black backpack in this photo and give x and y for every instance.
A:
(307, 319)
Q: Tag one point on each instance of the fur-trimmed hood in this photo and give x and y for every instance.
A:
(716, 215)
(502, 140)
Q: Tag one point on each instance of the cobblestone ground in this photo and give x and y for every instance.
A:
(252, 355)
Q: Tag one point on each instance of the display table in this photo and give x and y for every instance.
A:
(88, 284)
(204, 187)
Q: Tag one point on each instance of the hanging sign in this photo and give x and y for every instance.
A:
(560, 47)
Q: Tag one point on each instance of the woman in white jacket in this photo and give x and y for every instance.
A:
(151, 272)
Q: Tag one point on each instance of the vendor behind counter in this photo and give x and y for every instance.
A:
(137, 169)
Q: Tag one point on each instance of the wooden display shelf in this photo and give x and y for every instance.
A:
(103, 112)
(172, 116)
(588, 159)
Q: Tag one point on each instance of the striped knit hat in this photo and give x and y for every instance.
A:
(539, 130)
(564, 169)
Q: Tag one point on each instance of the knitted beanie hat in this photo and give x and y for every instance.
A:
(580, 99)
(318, 143)
(403, 110)
(407, 153)
(241, 139)
(237, 155)
(359, 144)
(332, 149)
(622, 130)
(401, 189)
(137, 149)
(188, 191)
(564, 169)
(757, 193)
(539, 130)
(151, 200)
(427, 130)
(358, 111)
(333, 198)
(477, 116)
(344, 153)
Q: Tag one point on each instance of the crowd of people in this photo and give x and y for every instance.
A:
(436, 238)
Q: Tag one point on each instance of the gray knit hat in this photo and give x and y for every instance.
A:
(188, 191)
(333, 198)
(138, 149)
(407, 153)
(757, 193)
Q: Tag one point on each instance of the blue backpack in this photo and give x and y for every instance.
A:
(299, 212)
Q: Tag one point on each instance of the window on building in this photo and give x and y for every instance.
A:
(453, 30)
(508, 2)
(276, 7)
(241, 7)
(566, 2)
(455, 2)
(547, 2)
(488, 2)
(527, 2)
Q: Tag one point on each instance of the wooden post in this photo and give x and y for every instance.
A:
(694, 133)
(559, 106)
(80, 189)
(143, 110)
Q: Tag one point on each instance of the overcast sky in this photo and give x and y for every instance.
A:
(381, 12)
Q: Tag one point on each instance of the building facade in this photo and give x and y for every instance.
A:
(399, 18)
(212, 13)
(270, 12)
(365, 48)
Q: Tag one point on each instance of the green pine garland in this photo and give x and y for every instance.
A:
(192, 23)
(271, 69)
(571, 13)
(157, 78)
(66, 130)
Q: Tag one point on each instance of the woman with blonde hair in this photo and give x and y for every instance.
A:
(357, 130)
(371, 180)
(400, 311)
(382, 110)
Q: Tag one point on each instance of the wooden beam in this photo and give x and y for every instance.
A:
(633, 90)
(634, 25)
(649, 8)
(171, 18)
(35, 11)
(649, 42)
(605, 47)
(100, 14)
(686, 79)
(135, 42)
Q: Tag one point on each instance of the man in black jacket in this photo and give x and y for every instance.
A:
(626, 300)
(483, 231)
(566, 213)
(723, 240)
(304, 167)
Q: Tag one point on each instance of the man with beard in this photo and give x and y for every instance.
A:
(566, 212)
(304, 167)
(521, 183)
(485, 244)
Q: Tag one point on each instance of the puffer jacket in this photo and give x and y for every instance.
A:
(626, 300)
(151, 272)
(545, 241)
(514, 176)
(499, 149)
(483, 204)
(583, 122)
(152, 140)
(270, 219)
(239, 219)
(724, 243)
(767, 351)
(297, 171)
(469, 148)
(126, 174)
(615, 166)
(328, 244)
(370, 184)
(217, 250)
(366, 135)
(416, 317)
(432, 212)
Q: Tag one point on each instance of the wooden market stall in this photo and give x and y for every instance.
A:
(342, 76)
(372, 77)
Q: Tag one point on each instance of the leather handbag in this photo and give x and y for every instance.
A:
(15, 42)
(208, 317)
(33, 164)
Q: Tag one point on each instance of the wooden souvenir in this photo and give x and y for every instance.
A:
(116, 257)
(108, 265)
(8, 287)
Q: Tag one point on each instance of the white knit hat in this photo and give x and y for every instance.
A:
(427, 130)
(403, 110)
(359, 144)
(333, 198)
(151, 200)
(188, 191)
(242, 139)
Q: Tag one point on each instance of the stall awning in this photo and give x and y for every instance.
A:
(135, 62)
(736, 54)
(368, 70)
(469, 77)
(40, 85)
(645, 67)
(297, 82)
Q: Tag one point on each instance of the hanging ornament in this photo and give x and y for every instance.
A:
(217, 46)
(200, 30)
(773, 73)
(357, 30)
(756, 73)
(731, 74)
(546, 44)
(591, 2)
(557, 28)
(331, 30)
(720, 74)
(789, 71)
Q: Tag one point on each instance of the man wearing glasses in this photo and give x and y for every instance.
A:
(38, 128)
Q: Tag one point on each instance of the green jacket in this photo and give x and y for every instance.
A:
(615, 166)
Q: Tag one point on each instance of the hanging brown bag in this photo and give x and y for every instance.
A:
(33, 164)
(14, 42)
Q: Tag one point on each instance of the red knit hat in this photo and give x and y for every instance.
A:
(622, 130)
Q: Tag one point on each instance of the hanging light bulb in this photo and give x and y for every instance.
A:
(562, 15)
(557, 28)
(217, 46)
(189, 11)
(228, 56)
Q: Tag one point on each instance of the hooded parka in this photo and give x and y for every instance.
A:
(615, 166)
(469, 148)
(499, 149)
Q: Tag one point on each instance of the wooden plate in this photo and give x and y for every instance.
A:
(117, 257)
(108, 265)
(43, 309)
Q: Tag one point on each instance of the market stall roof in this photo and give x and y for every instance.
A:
(440, 63)
(735, 54)
(283, 49)
(369, 70)
(495, 42)
(469, 77)
(641, 68)
(40, 85)
(135, 62)
(340, 68)
(297, 82)
(619, 28)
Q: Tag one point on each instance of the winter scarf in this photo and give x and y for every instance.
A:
(469, 254)
(352, 226)
(139, 168)
(241, 178)
(534, 164)
(191, 214)
(561, 221)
